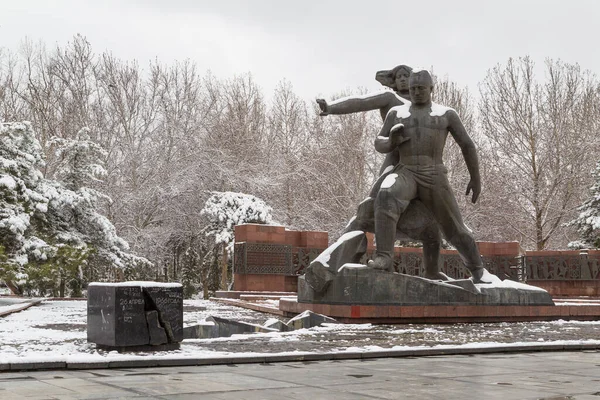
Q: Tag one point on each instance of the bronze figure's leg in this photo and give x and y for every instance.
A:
(442, 203)
(395, 194)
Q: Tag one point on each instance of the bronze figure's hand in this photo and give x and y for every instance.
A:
(397, 135)
(475, 186)
(323, 105)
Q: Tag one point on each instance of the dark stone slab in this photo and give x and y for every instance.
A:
(169, 303)
(134, 314)
(466, 284)
(349, 248)
(158, 335)
(309, 319)
(116, 316)
(227, 327)
(277, 324)
(365, 286)
(206, 330)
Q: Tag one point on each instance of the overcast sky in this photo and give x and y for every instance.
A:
(321, 46)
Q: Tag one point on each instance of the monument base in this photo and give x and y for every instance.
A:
(442, 314)
(140, 349)
(357, 284)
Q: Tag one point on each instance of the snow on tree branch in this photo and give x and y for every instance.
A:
(225, 210)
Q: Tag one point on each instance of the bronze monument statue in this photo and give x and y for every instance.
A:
(411, 198)
(417, 222)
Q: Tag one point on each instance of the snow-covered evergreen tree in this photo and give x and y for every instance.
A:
(82, 161)
(588, 221)
(225, 210)
(49, 231)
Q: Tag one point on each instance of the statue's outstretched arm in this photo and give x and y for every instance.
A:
(390, 135)
(459, 133)
(352, 104)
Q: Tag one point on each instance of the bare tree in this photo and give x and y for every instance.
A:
(537, 136)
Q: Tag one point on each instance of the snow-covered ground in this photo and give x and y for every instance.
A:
(8, 304)
(56, 331)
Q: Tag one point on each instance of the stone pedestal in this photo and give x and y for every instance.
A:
(356, 284)
(126, 314)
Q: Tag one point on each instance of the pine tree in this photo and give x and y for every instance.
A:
(49, 230)
(588, 221)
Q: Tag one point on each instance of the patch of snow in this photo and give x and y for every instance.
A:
(138, 283)
(402, 111)
(351, 266)
(438, 110)
(389, 181)
(351, 221)
(495, 282)
(396, 127)
(8, 182)
(271, 321)
(324, 257)
(364, 97)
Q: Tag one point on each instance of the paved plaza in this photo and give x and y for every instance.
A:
(549, 375)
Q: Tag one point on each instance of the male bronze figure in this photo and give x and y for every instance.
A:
(416, 222)
(418, 131)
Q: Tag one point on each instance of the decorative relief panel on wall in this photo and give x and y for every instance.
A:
(259, 258)
(281, 259)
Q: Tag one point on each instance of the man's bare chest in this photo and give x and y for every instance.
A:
(419, 124)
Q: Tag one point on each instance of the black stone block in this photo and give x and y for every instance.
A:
(117, 314)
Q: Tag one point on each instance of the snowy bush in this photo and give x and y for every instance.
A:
(588, 221)
(50, 229)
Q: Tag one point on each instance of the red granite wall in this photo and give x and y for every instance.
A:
(566, 275)
(268, 234)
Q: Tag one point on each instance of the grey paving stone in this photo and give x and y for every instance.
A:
(240, 360)
(132, 363)
(489, 377)
(182, 362)
(87, 365)
(37, 366)
(347, 355)
(317, 357)
(285, 358)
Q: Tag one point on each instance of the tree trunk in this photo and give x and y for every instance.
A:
(224, 269)
(14, 288)
(61, 288)
(539, 233)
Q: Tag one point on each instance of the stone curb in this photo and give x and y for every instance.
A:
(262, 359)
(25, 306)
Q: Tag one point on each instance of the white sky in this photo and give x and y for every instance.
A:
(321, 46)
